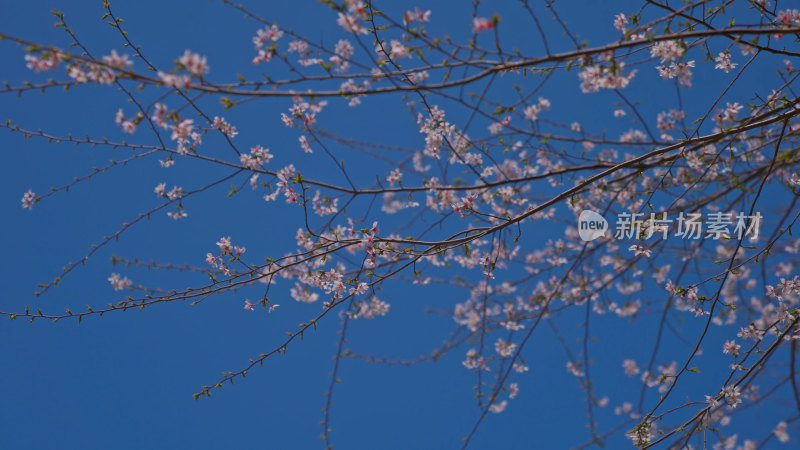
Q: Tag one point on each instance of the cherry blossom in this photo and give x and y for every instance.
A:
(731, 348)
(344, 48)
(681, 71)
(573, 369)
(351, 23)
(220, 124)
(733, 395)
(182, 133)
(667, 51)
(118, 61)
(160, 189)
(263, 56)
(497, 408)
(118, 283)
(724, 63)
(28, 199)
(416, 15)
(257, 158)
(532, 111)
(44, 62)
(631, 369)
(370, 310)
(513, 390)
(781, 433)
(395, 176)
(482, 24)
(620, 21)
(127, 125)
(175, 193)
(304, 144)
(225, 246)
(270, 33)
(173, 80)
(176, 215)
(298, 46)
(788, 16)
(594, 78)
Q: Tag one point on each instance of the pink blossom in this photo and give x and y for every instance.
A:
(128, 127)
(360, 289)
(667, 51)
(731, 348)
(28, 199)
(175, 193)
(118, 61)
(211, 260)
(724, 62)
(344, 48)
(270, 33)
(787, 16)
(639, 250)
(257, 158)
(682, 71)
(631, 369)
(573, 369)
(324, 205)
(416, 15)
(503, 348)
(225, 246)
(482, 24)
(620, 21)
(594, 78)
(182, 132)
(497, 408)
(262, 57)
(732, 395)
(532, 111)
(351, 23)
(304, 144)
(513, 390)
(781, 433)
(176, 215)
(395, 176)
(301, 47)
(368, 310)
(118, 283)
(159, 115)
(220, 124)
(44, 62)
(172, 80)
(713, 402)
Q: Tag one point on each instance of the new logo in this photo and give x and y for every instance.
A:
(591, 225)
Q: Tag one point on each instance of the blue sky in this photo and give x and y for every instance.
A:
(126, 380)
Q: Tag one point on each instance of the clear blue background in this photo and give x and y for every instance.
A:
(125, 380)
